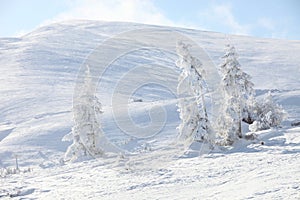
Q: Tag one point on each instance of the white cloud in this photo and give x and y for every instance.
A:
(220, 17)
(225, 16)
(145, 11)
(141, 11)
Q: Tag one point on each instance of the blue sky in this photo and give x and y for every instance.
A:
(262, 18)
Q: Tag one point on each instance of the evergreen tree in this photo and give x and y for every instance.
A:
(238, 91)
(268, 114)
(193, 113)
(86, 131)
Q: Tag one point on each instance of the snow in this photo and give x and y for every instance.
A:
(235, 175)
(38, 74)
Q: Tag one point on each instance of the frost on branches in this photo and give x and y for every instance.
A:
(193, 114)
(238, 94)
(240, 104)
(268, 114)
(86, 131)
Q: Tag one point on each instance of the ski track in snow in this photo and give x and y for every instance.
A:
(37, 77)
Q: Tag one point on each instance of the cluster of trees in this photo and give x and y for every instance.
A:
(239, 105)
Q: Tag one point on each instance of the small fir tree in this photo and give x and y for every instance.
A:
(268, 114)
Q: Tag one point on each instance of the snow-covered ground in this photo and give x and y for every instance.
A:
(38, 74)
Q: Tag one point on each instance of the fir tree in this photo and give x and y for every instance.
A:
(86, 131)
(238, 90)
(193, 113)
(268, 114)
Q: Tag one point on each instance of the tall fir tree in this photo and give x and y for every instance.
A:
(86, 130)
(238, 91)
(193, 112)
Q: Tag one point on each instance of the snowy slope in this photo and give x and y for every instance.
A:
(38, 73)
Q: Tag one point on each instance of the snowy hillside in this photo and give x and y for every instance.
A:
(38, 77)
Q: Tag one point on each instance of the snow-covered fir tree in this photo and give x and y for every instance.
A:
(267, 114)
(86, 131)
(193, 114)
(238, 92)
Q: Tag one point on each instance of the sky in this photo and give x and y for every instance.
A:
(260, 18)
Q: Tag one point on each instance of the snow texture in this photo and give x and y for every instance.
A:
(38, 74)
